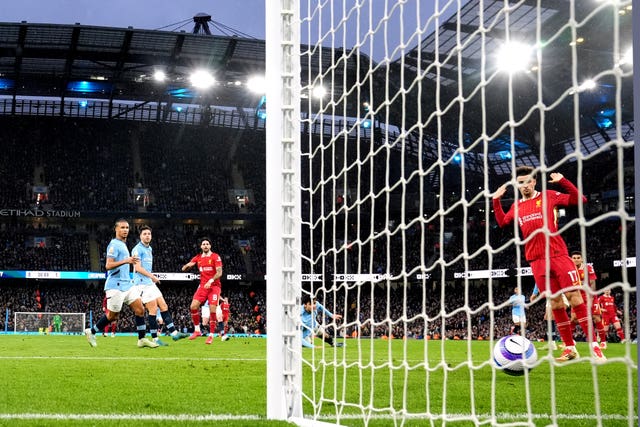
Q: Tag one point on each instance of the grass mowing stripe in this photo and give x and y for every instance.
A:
(112, 358)
(65, 377)
(132, 417)
(230, 417)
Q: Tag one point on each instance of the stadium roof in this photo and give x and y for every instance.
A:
(43, 59)
(49, 60)
(553, 88)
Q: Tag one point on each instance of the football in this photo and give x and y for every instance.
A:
(513, 354)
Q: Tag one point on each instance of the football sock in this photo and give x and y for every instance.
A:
(564, 326)
(602, 332)
(153, 326)
(585, 321)
(102, 323)
(168, 321)
(141, 327)
(195, 317)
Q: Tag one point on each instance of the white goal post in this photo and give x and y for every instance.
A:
(48, 322)
(391, 126)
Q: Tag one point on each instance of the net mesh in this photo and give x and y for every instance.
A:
(411, 119)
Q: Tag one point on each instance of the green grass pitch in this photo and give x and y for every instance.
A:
(61, 381)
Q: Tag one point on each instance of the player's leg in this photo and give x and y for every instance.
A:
(133, 300)
(225, 328)
(563, 323)
(619, 330)
(206, 313)
(115, 300)
(214, 299)
(168, 319)
(198, 299)
(567, 282)
(152, 317)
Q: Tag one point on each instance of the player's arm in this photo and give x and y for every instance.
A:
(188, 265)
(328, 313)
(572, 191)
(112, 263)
(501, 218)
(138, 268)
(535, 293)
(214, 278)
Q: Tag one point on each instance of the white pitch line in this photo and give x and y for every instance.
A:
(146, 359)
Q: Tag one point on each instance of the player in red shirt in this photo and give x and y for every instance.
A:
(225, 307)
(590, 298)
(210, 266)
(610, 313)
(111, 327)
(545, 249)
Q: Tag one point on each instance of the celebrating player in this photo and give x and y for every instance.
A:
(310, 326)
(590, 299)
(152, 298)
(547, 251)
(120, 289)
(610, 312)
(210, 266)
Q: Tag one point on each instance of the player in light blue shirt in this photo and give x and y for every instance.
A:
(119, 288)
(120, 277)
(152, 297)
(309, 313)
(517, 301)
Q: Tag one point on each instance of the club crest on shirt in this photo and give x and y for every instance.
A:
(538, 203)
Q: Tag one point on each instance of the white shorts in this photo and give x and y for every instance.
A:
(518, 319)
(150, 293)
(117, 298)
(206, 312)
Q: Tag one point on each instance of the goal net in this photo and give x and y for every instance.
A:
(412, 114)
(46, 323)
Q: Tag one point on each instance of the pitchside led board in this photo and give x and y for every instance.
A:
(89, 275)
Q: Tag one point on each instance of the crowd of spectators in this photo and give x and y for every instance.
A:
(93, 165)
(369, 312)
(359, 216)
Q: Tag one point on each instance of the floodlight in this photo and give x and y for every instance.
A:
(257, 84)
(159, 76)
(202, 79)
(318, 92)
(514, 57)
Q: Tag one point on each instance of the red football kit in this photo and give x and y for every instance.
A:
(225, 307)
(207, 265)
(595, 306)
(531, 214)
(609, 309)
